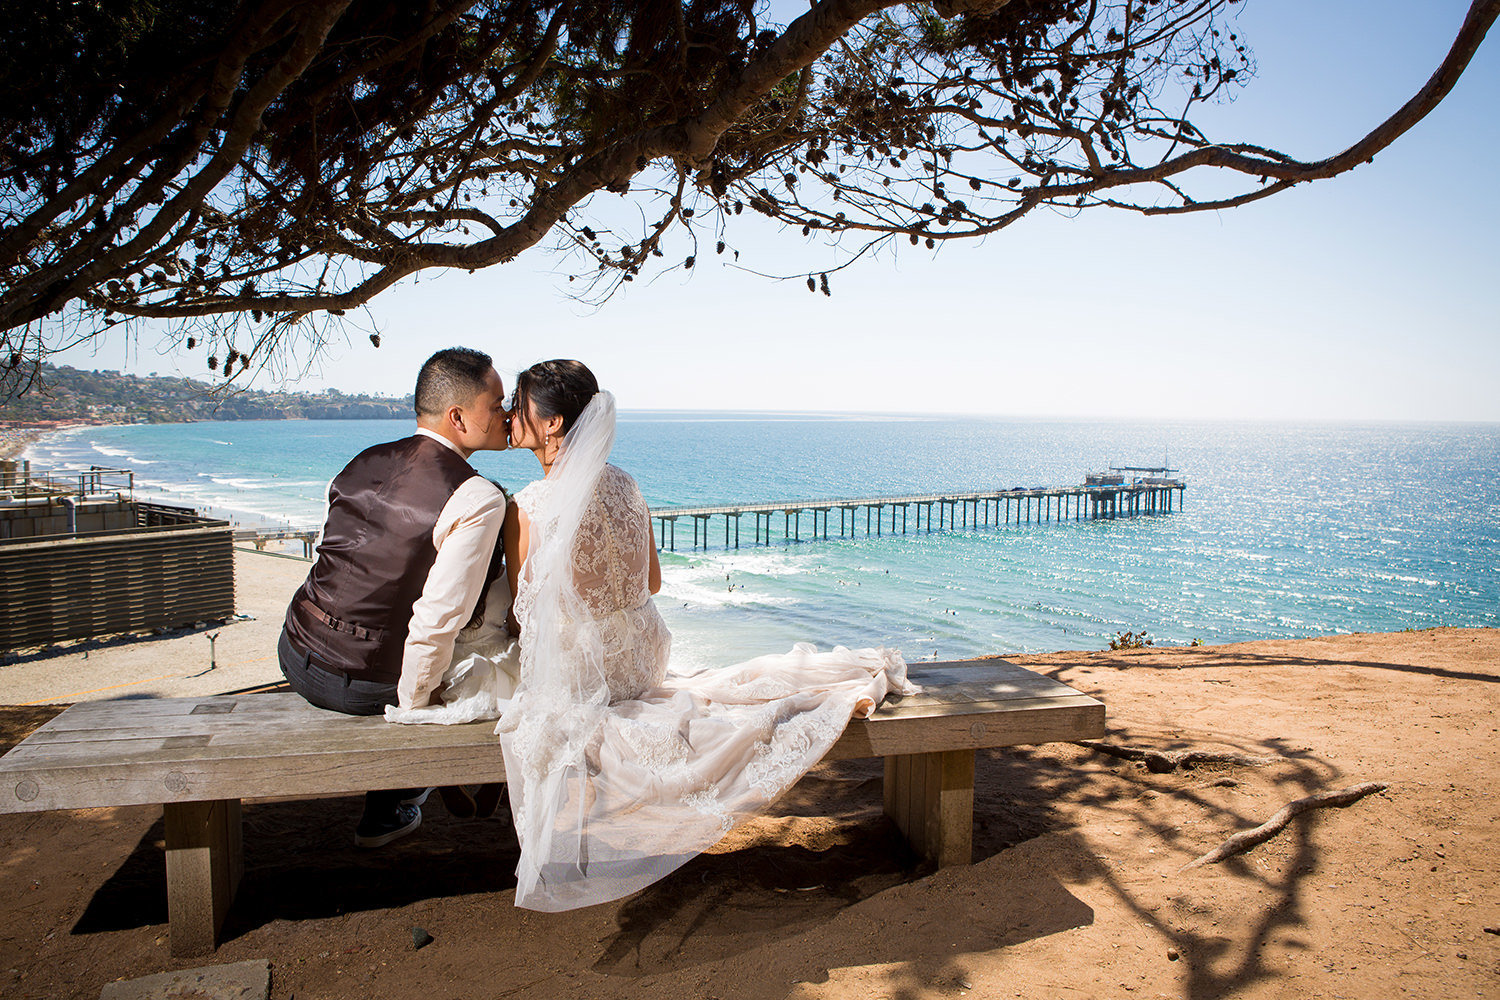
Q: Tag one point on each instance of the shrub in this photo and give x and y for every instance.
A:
(1131, 640)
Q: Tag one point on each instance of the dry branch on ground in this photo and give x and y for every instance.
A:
(1246, 839)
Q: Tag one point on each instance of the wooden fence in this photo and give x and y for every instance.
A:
(102, 583)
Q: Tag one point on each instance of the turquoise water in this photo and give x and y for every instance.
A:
(1288, 530)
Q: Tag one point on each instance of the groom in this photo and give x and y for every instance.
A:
(404, 557)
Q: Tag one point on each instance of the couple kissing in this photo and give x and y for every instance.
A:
(435, 598)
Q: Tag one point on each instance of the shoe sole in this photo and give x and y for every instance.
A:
(418, 800)
(390, 835)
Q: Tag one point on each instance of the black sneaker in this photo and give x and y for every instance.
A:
(488, 799)
(377, 832)
(459, 802)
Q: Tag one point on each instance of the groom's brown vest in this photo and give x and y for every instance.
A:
(353, 613)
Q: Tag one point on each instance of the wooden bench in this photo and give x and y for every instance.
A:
(198, 757)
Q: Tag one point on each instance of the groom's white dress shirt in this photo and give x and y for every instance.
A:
(465, 536)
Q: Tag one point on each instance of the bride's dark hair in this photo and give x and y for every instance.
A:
(559, 388)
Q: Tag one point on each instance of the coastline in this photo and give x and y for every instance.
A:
(1078, 884)
(18, 435)
(14, 440)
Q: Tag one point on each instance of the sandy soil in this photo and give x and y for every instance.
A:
(1076, 889)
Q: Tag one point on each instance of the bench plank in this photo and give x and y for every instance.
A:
(190, 737)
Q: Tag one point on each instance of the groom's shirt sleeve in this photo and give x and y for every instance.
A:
(466, 533)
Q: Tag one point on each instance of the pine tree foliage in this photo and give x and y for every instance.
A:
(250, 172)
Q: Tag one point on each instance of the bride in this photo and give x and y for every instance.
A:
(619, 771)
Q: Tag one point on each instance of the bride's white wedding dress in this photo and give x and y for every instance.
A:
(484, 671)
(620, 771)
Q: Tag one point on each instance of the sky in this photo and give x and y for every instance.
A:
(1370, 296)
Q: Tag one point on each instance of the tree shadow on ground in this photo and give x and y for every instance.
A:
(1215, 964)
(1028, 842)
(824, 862)
(826, 848)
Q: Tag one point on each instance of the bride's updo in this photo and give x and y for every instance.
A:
(560, 388)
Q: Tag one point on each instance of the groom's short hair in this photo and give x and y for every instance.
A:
(451, 377)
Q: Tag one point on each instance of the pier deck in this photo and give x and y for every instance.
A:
(985, 508)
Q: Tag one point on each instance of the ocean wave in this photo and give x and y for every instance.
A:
(122, 453)
(264, 507)
(767, 564)
(243, 484)
(684, 592)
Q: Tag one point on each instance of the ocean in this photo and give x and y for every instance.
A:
(1287, 530)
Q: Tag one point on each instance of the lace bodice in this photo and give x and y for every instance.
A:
(611, 565)
(612, 559)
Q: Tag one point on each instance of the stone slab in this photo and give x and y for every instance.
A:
(250, 980)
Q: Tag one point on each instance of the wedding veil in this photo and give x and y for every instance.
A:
(553, 725)
(561, 653)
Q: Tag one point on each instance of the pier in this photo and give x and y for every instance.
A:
(261, 537)
(1106, 495)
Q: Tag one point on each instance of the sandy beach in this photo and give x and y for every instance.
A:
(1077, 887)
(14, 440)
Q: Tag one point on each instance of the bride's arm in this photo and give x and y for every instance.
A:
(515, 534)
(653, 575)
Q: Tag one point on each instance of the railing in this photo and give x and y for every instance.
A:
(833, 503)
(974, 508)
(261, 536)
(23, 484)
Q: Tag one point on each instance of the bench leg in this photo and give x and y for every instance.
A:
(930, 796)
(204, 864)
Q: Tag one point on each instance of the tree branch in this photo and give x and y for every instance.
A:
(1246, 839)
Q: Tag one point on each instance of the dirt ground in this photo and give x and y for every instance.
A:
(1076, 888)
